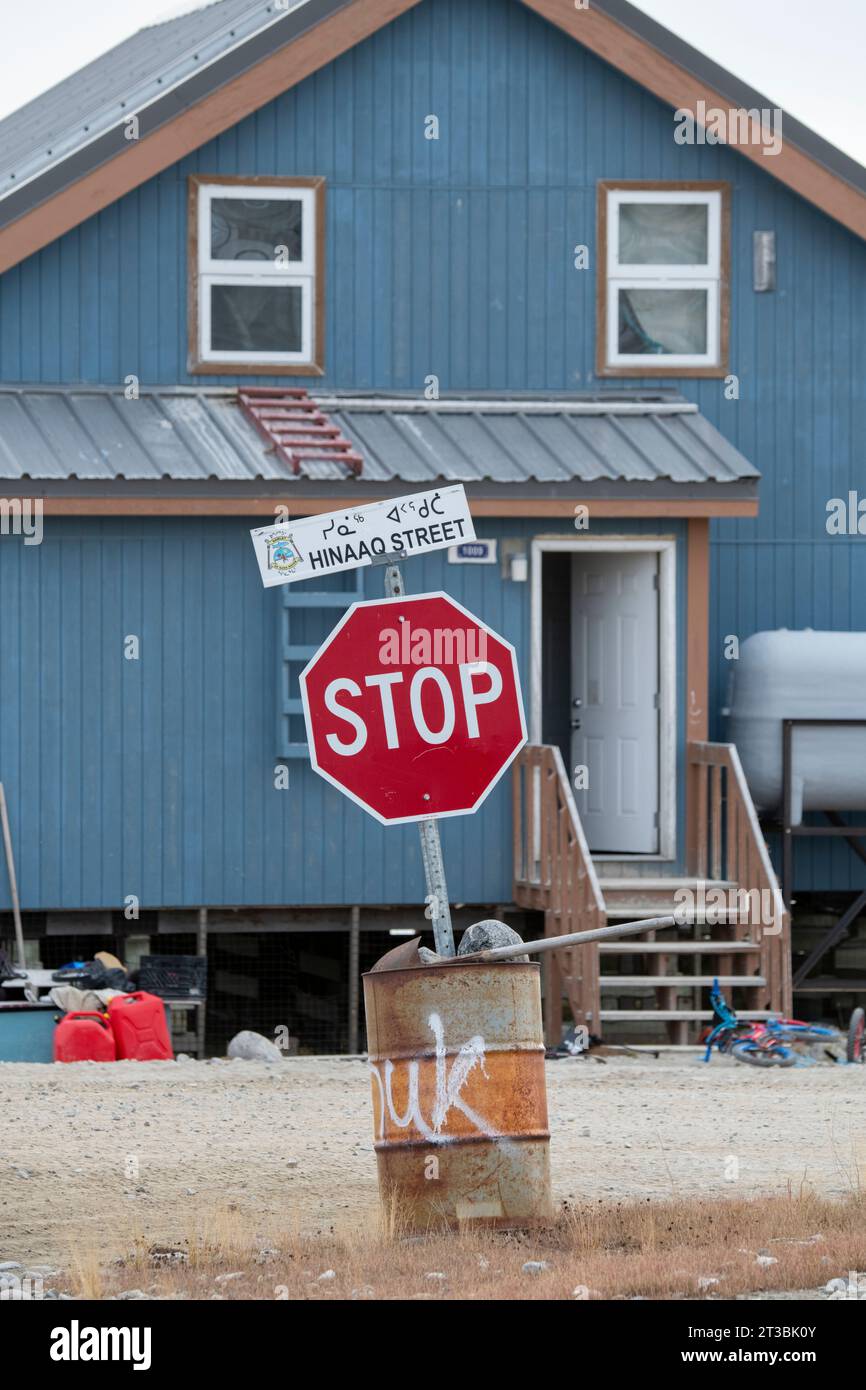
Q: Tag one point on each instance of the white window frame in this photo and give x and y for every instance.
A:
(283, 281)
(212, 271)
(621, 276)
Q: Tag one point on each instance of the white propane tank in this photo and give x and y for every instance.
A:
(789, 675)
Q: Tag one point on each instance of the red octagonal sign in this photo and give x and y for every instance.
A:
(413, 707)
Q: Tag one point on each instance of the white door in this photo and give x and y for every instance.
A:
(615, 699)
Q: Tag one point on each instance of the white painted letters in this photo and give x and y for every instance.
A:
(334, 689)
(449, 1085)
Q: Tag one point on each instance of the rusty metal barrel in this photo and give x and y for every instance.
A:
(459, 1098)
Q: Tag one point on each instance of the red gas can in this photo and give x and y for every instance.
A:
(81, 1037)
(139, 1026)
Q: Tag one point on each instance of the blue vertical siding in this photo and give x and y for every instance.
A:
(451, 257)
(155, 777)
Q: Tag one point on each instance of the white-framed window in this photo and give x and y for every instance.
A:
(256, 275)
(663, 296)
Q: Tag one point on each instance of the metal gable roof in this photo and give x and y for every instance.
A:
(97, 437)
(125, 80)
(166, 69)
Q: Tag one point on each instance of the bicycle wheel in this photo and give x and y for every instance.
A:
(856, 1040)
(756, 1056)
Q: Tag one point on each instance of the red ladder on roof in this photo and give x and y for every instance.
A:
(294, 426)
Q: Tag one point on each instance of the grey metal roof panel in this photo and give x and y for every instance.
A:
(434, 454)
(123, 81)
(118, 433)
(22, 445)
(727, 461)
(484, 455)
(388, 452)
(662, 452)
(72, 449)
(527, 446)
(99, 435)
(588, 447)
(183, 435)
(475, 444)
(621, 450)
(239, 450)
(191, 431)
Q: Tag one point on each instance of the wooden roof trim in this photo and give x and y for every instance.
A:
(314, 506)
(681, 89)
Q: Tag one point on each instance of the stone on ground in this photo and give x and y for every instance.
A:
(252, 1047)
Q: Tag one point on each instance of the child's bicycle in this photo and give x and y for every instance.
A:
(759, 1044)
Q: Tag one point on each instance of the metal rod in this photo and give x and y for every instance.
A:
(844, 829)
(200, 1014)
(354, 959)
(13, 883)
(577, 938)
(438, 907)
(437, 889)
(831, 938)
(787, 808)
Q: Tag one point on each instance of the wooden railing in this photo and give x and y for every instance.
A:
(724, 841)
(554, 874)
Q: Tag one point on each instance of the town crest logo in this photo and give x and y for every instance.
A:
(283, 553)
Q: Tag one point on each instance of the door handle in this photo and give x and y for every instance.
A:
(577, 704)
(575, 723)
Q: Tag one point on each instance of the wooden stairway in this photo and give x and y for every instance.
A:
(732, 920)
(668, 977)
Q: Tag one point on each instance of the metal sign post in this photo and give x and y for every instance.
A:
(438, 906)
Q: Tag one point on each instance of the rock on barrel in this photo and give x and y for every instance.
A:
(459, 1100)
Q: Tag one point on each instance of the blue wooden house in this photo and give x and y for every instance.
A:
(545, 250)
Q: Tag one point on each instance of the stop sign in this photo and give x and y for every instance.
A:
(413, 707)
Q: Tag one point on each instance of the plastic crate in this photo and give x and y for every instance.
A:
(174, 977)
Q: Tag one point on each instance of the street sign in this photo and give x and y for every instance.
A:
(345, 540)
(413, 707)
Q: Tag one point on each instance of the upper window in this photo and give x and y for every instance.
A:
(256, 291)
(663, 293)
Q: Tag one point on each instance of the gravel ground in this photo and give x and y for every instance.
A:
(153, 1146)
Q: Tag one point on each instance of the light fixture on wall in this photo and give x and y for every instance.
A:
(763, 262)
(514, 560)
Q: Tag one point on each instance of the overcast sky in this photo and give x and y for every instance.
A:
(807, 57)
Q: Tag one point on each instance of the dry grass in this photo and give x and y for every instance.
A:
(648, 1249)
(86, 1273)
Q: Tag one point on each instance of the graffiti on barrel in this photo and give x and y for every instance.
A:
(448, 1087)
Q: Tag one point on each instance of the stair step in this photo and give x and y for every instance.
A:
(627, 911)
(661, 885)
(635, 947)
(675, 1015)
(626, 898)
(686, 981)
(832, 984)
